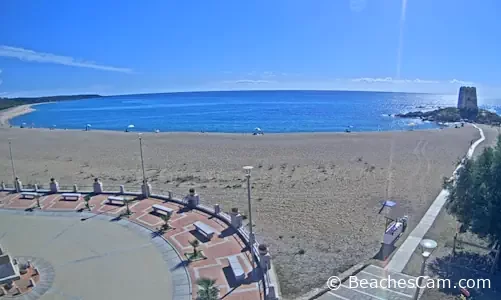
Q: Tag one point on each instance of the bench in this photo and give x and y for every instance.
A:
(157, 208)
(236, 267)
(71, 196)
(204, 229)
(31, 195)
(118, 199)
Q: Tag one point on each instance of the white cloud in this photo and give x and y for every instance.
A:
(456, 81)
(41, 57)
(249, 81)
(392, 80)
(268, 74)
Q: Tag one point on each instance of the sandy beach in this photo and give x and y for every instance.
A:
(314, 192)
(8, 114)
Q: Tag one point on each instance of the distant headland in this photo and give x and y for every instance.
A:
(466, 110)
(11, 102)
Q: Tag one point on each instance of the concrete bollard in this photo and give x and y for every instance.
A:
(18, 185)
(170, 195)
(217, 209)
(53, 186)
(3, 186)
(75, 188)
(236, 218)
(272, 293)
(36, 187)
(146, 189)
(97, 187)
(122, 189)
(264, 257)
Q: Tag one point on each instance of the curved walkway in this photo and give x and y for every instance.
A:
(217, 250)
(400, 259)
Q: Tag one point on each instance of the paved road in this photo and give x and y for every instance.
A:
(95, 259)
(373, 273)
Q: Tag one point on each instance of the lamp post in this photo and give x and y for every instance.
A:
(248, 170)
(12, 161)
(427, 248)
(142, 160)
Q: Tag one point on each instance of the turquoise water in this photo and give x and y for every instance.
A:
(241, 111)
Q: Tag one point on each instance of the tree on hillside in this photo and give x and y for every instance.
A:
(475, 196)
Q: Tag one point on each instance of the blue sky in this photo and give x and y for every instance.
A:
(130, 46)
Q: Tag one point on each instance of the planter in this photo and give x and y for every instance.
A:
(200, 256)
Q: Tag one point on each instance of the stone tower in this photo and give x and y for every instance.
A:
(467, 98)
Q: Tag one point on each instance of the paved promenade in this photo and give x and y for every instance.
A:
(400, 259)
(105, 257)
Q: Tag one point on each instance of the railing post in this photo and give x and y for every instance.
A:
(146, 189)
(236, 218)
(97, 187)
(18, 185)
(36, 187)
(170, 195)
(53, 186)
(75, 188)
(3, 186)
(217, 209)
(122, 189)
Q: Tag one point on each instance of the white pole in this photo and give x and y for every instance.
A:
(142, 160)
(248, 175)
(12, 161)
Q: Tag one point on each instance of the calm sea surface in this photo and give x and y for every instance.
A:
(242, 111)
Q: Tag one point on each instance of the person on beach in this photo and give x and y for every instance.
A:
(192, 198)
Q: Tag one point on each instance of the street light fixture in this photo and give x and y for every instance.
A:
(248, 170)
(427, 247)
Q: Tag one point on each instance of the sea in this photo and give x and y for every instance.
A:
(243, 112)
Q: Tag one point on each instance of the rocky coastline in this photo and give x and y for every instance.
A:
(453, 114)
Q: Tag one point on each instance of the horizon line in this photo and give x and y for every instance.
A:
(219, 91)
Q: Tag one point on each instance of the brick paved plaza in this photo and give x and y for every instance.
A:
(103, 258)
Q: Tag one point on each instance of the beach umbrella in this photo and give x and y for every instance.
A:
(257, 129)
(129, 127)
